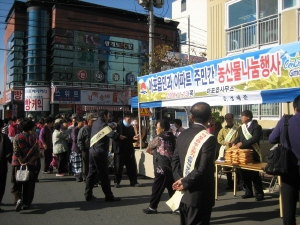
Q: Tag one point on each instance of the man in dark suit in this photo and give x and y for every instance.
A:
(198, 184)
(246, 141)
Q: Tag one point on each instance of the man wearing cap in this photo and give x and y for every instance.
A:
(248, 137)
(83, 142)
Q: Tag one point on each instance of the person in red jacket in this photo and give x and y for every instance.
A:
(13, 129)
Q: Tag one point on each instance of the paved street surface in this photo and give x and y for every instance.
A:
(60, 200)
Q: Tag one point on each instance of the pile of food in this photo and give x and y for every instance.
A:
(239, 156)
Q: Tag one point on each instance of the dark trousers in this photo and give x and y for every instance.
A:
(3, 176)
(98, 170)
(38, 167)
(47, 159)
(290, 194)
(194, 216)
(23, 190)
(161, 182)
(248, 177)
(62, 162)
(85, 164)
(129, 161)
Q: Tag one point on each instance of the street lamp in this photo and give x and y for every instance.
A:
(168, 20)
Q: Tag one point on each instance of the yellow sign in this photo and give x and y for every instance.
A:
(145, 112)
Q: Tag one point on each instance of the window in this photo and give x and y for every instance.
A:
(268, 8)
(183, 5)
(289, 3)
(183, 38)
(241, 12)
(260, 111)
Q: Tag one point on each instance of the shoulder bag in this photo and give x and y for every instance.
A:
(277, 160)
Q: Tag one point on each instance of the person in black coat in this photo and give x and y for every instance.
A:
(124, 153)
(199, 184)
(98, 162)
(242, 142)
(6, 150)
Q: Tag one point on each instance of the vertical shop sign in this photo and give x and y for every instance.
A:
(37, 99)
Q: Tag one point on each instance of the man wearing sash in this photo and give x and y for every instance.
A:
(193, 168)
(98, 152)
(226, 136)
(248, 137)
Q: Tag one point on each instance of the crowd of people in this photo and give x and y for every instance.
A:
(183, 158)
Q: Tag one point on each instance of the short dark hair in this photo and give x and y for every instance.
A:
(27, 124)
(57, 126)
(296, 103)
(178, 121)
(128, 114)
(102, 113)
(49, 119)
(201, 112)
(247, 113)
(164, 124)
(230, 114)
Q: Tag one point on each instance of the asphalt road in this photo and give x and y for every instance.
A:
(60, 201)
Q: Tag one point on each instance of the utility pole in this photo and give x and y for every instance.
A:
(151, 34)
(151, 51)
(189, 36)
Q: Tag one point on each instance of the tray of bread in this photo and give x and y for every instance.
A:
(238, 156)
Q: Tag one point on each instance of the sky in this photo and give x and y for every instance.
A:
(130, 5)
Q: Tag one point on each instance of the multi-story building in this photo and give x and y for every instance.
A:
(236, 27)
(192, 18)
(71, 56)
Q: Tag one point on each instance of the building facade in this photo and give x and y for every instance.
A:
(192, 18)
(75, 57)
(236, 27)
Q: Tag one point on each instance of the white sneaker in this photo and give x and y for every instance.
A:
(19, 205)
(60, 175)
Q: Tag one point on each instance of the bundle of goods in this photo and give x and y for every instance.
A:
(246, 156)
(238, 156)
(235, 156)
(227, 156)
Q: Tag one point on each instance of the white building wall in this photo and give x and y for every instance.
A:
(197, 10)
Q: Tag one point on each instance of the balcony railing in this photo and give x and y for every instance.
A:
(253, 34)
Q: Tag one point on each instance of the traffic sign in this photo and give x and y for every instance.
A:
(145, 112)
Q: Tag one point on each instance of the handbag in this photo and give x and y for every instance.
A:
(22, 174)
(278, 158)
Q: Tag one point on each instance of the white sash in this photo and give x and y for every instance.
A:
(189, 165)
(97, 137)
(249, 136)
(227, 139)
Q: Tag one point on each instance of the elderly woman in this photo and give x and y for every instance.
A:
(162, 147)
(60, 148)
(25, 153)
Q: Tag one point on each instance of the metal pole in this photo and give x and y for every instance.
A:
(189, 37)
(151, 50)
(151, 32)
